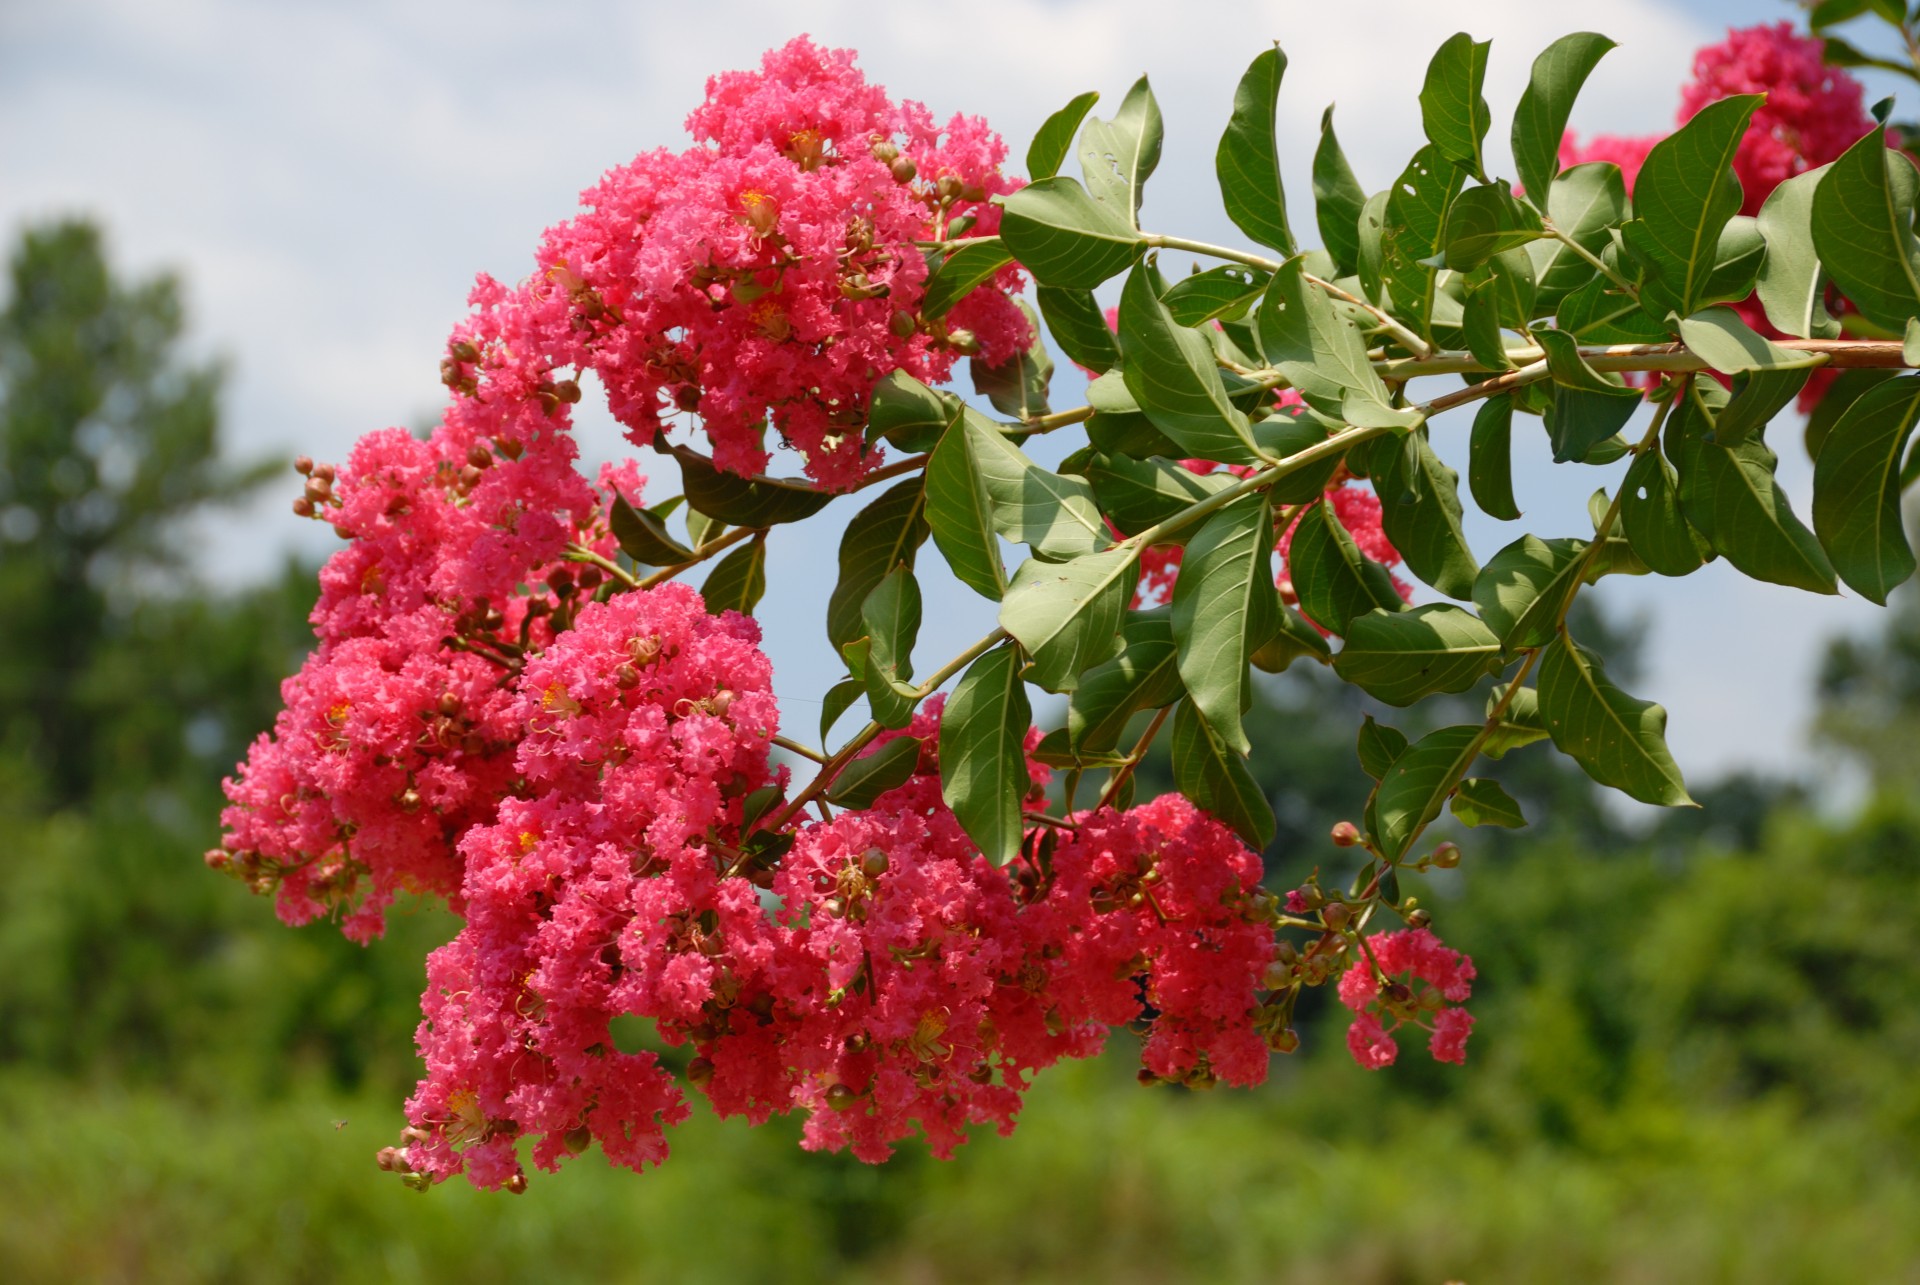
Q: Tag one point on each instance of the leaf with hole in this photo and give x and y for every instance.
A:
(1651, 517)
(1225, 292)
(1119, 155)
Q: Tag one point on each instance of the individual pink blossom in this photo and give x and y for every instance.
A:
(1435, 976)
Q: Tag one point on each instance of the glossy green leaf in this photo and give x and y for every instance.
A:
(1054, 139)
(1117, 156)
(1619, 741)
(1207, 771)
(1729, 495)
(960, 272)
(1757, 398)
(1017, 386)
(1138, 494)
(838, 700)
(1379, 746)
(1845, 389)
(1482, 801)
(1171, 372)
(1485, 221)
(1145, 675)
(1224, 607)
(886, 534)
(1490, 464)
(1863, 230)
(1076, 323)
(1455, 115)
(1524, 588)
(1580, 423)
(871, 775)
(643, 536)
(983, 764)
(1248, 160)
(1682, 199)
(1067, 614)
(739, 501)
(1420, 511)
(1320, 351)
(1601, 313)
(1568, 367)
(1416, 787)
(1583, 203)
(1053, 514)
(1337, 198)
(1410, 236)
(701, 529)
(1283, 437)
(1334, 580)
(1729, 345)
(1224, 292)
(1294, 640)
(739, 581)
(1372, 234)
(891, 616)
(1515, 722)
(1792, 284)
(1065, 237)
(1403, 656)
(1540, 121)
(1480, 323)
(960, 514)
(1856, 489)
(1651, 517)
(909, 414)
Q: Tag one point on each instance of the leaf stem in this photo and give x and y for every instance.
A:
(795, 747)
(1139, 751)
(1592, 259)
(581, 553)
(700, 555)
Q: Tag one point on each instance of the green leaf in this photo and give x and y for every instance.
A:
(1910, 345)
(1568, 367)
(1618, 740)
(1455, 115)
(702, 529)
(1224, 607)
(643, 536)
(1171, 372)
(1601, 313)
(909, 414)
(1480, 322)
(1481, 801)
(1334, 580)
(1337, 198)
(1523, 588)
(1321, 352)
(1217, 779)
(891, 615)
(757, 804)
(960, 272)
(1736, 263)
(1729, 345)
(1490, 464)
(1856, 488)
(748, 502)
(1079, 327)
(739, 581)
(1420, 511)
(1650, 514)
(1067, 614)
(1792, 284)
(1248, 160)
(1372, 233)
(1757, 398)
(1380, 745)
(1223, 292)
(1055, 515)
(1120, 427)
(1137, 494)
(1584, 203)
(1403, 656)
(1410, 237)
(1416, 787)
(1294, 639)
(1283, 437)
(983, 762)
(1580, 423)
(1846, 387)
(1065, 237)
(960, 513)
(1018, 385)
(871, 775)
(1055, 137)
(1485, 221)
(1683, 197)
(1119, 155)
(1729, 496)
(838, 700)
(886, 534)
(1516, 722)
(1540, 122)
(1863, 230)
(1145, 675)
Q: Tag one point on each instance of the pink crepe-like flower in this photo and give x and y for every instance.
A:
(1435, 977)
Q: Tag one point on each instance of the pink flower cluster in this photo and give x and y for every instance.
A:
(1444, 976)
(882, 976)
(767, 274)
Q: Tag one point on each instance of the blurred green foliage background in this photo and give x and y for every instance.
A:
(1695, 1057)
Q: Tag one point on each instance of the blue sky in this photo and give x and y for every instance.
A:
(329, 177)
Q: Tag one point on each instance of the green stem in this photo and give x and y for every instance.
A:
(795, 747)
(580, 553)
(1593, 259)
(1133, 758)
(700, 555)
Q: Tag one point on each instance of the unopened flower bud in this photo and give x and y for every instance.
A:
(625, 676)
(517, 1185)
(567, 390)
(479, 456)
(903, 325)
(948, 187)
(841, 1098)
(904, 170)
(873, 863)
(886, 151)
(511, 447)
(1336, 915)
(687, 397)
(1446, 856)
(1147, 1079)
(303, 507)
(1284, 1040)
(835, 906)
(303, 464)
(1278, 976)
(700, 1072)
(324, 472)
(463, 351)
(578, 1139)
(1345, 834)
(963, 341)
(1399, 993)
(317, 492)
(1419, 918)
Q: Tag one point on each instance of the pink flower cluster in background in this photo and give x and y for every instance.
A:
(1444, 979)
